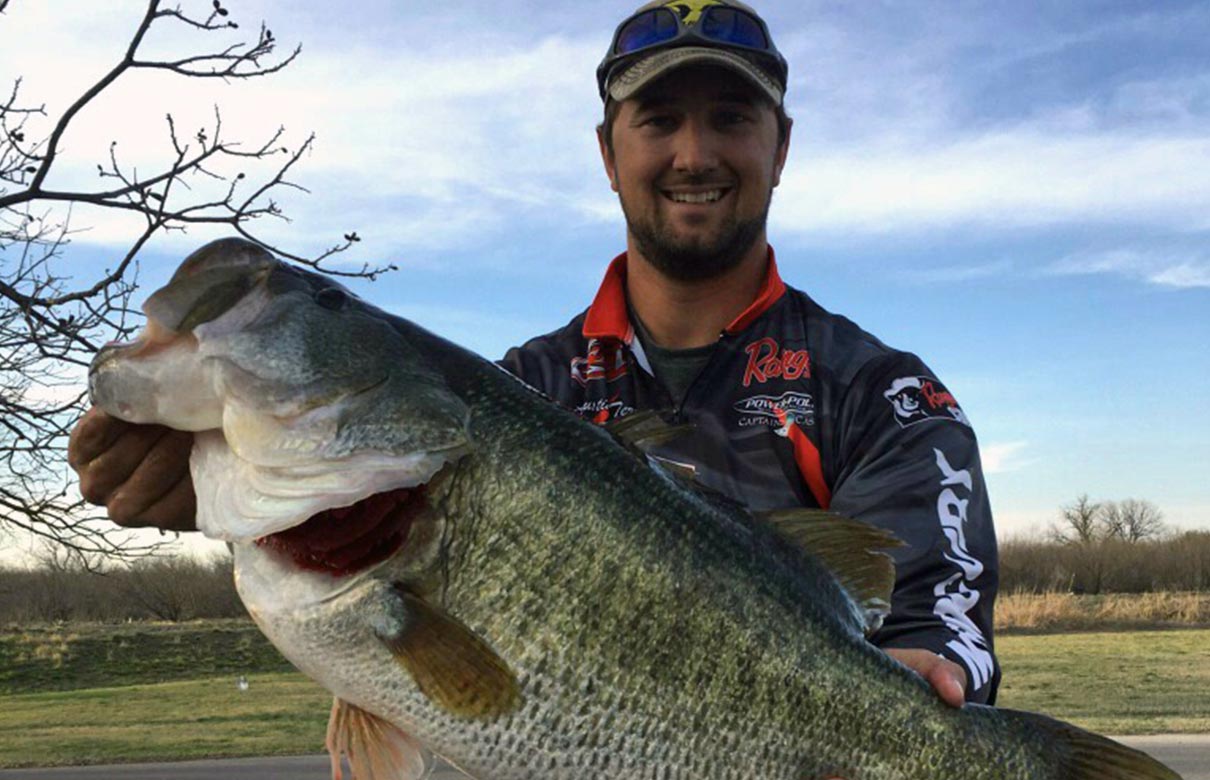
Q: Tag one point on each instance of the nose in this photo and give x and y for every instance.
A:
(696, 148)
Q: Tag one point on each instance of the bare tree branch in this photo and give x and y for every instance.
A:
(1078, 522)
(1132, 520)
(229, 63)
(54, 315)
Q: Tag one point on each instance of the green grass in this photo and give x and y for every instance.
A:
(279, 714)
(140, 692)
(1135, 682)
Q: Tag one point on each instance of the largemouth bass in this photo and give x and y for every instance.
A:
(477, 574)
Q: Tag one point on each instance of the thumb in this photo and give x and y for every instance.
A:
(946, 677)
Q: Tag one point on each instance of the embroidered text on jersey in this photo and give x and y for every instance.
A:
(956, 595)
(763, 409)
(767, 360)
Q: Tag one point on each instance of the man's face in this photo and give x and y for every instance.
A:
(695, 160)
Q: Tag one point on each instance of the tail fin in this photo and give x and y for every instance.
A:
(1088, 756)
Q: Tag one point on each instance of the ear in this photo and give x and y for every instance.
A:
(779, 161)
(611, 169)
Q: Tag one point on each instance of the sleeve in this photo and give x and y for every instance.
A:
(909, 462)
(521, 363)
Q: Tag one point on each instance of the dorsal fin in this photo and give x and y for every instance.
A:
(848, 548)
(640, 431)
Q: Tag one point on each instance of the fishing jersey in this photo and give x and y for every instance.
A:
(799, 407)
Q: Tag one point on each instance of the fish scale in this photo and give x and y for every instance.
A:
(560, 608)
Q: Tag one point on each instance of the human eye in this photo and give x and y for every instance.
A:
(730, 117)
(659, 121)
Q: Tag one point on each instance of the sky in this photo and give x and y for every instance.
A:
(1018, 193)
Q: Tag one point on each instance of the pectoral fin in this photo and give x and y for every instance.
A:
(451, 665)
(376, 749)
(849, 549)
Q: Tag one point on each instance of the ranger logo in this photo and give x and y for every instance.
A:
(767, 360)
(919, 398)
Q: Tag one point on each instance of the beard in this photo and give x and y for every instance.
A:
(697, 258)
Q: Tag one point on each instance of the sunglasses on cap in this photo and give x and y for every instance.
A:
(717, 26)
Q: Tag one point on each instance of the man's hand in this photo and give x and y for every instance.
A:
(140, 473)
(946, 677)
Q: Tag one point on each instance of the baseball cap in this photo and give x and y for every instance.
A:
(664, 35)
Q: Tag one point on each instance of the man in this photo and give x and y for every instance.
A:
(789, 405)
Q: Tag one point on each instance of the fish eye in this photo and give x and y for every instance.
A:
(331, 298)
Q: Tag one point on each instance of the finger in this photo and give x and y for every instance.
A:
(946, 681)
(176, 510)
(105, 473)
(158, 473)
(945, 676)
(93, 433)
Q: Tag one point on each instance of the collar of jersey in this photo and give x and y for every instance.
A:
(607, 317)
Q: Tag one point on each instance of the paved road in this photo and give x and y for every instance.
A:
(1188, 755)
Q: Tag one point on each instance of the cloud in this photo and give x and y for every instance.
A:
(1003, 457)
(1187, 274)
(430, 146)
(421, 146)
(1177, 269)
(955, 273)
(997, 121)
(1176, 102)
(1002, 180)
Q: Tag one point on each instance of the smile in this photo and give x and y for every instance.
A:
(707, 196)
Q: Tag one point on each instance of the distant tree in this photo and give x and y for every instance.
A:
(1132, 520)
(1078, 522)
(53, 317)
(56, 594)
(179, 588)
(1085, 521)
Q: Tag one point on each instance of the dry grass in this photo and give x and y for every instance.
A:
(1041, 612)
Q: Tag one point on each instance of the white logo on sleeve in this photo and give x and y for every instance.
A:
(916, 399)
(956, 597)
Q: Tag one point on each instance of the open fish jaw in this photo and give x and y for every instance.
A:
(238, 501)
(157, 379)
(296, 404)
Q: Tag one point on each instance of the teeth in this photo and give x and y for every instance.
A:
(696, 197)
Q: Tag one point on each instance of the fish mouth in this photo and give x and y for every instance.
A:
(345, 540)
